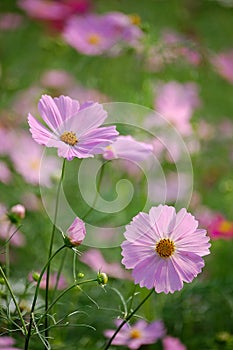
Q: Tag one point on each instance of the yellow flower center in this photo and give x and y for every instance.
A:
(165, 248)
(135, 334)
(69, 137)
(225, 226)
(135, 19)
(94, 39)
(35, 164)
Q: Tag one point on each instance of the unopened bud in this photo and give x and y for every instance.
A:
(35, 276)
(102, 278)
(80, 275)
(16, 213)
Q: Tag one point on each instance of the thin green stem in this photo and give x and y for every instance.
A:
(51, 247)
(59, 273)
(132, 298)
(36, 295)
(14, 300)
(65, 291)
(97, 192)
(127, 319)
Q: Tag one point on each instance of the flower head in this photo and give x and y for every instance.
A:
(75, 233)
(138, 334)
(73, 129)
(171, 343)
(7, 343)
(164, 249)
(177, 102)
(127, 147)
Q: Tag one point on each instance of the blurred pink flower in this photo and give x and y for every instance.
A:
(217, 225)
(10, 21)
(95, 260)
(76, 232)
(7, 343)
(171, 343)
(31, 201)
(5, 173)
(177, 102)
(73, 129)
(126, 147)
(96, 34)
(138, 334)
(57, 79)
(54, 12)
(61, 284)
(18, 210)
(164, 249)
(223, 63)
(27, 158)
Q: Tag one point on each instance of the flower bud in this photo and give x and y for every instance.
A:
(35, 276)
(102, 278)
(75, 233)
(80, 275)
(16, 213)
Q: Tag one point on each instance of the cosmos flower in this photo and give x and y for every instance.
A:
(126, 147)
(171, 343)
(97, 34)
(138, 334)
(164, 249)
(7, 343)
(75, 233)
(27, 158)
(177, 102)
(54, 12)
(9, 231)
(73, 129)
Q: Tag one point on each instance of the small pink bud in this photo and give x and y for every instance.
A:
(18, 210)
(75, 233)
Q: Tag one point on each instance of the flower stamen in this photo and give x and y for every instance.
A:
(135, 334)
(165, 248)
(69, 137)
(94, 39)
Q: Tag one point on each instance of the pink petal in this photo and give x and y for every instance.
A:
(67, 108)
(41, 134)
(133, 253)
(188, 265)
(50, 113)
(89, 118)
(185, 225)
(167, 278)
(140, 228)
(162, 219)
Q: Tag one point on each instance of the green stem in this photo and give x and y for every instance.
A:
(36, 295)
(14, 300)
(127, 319)
(59, 273)
(51, 248)
(65, 291)
(97, 192)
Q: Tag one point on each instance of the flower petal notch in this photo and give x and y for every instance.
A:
(72, 128)
(164, 248)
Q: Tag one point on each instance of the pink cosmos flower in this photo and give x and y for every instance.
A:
(138, 334)
(164, 249)
(76, 232)
(73, 129)
(217, 225)
(54, 12)
(27, 158)
(7, 343)
(177, 102)
(62, 284)
(126, 147)
(223, 63)
(95, 260)
(96, 34)
(171, 343)
(9, 231)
